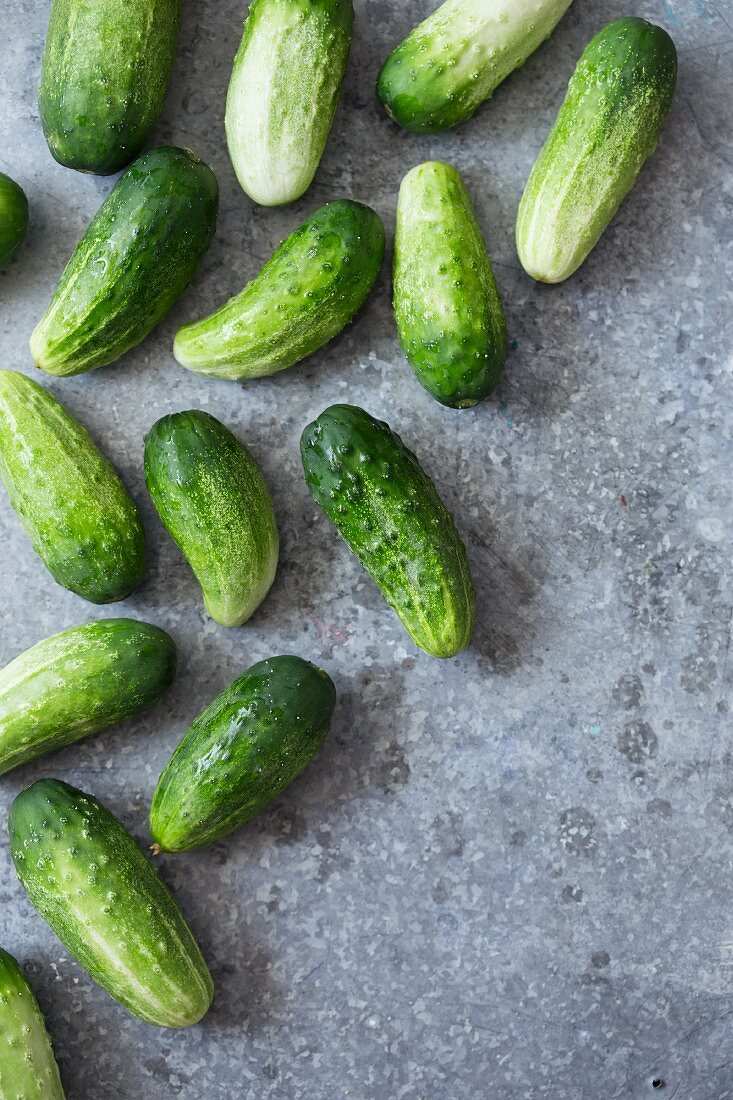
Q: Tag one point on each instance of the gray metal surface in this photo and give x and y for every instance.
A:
(507, 875)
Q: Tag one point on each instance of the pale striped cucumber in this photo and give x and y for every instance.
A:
(28, 1069)
(211, 495)
(89, 880)
(78, 515)
(454, 60)
(449, 314)
(79, 682)
(283, 93)
(608, 125)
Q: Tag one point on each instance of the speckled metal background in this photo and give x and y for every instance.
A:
(508, 875)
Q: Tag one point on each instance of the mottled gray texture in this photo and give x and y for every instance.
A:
(508, 875)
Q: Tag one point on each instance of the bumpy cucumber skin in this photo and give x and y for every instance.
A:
(211, 495)
(241, 752)
(80, 519)
(138, 255)
(304, 296)
(13, 217)
(283, 93)
(607, 126)
(89, 880)
(449, 313)
(28, 1069)
(455, 59)
(105, 73)
(384, 505)
(79, 682)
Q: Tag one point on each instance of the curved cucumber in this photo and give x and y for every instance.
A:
(449, 314)
(384, 505)
(283, 93)
(246, 747)
(13, 217)
(105, 73)
(608, 125)
(79, 682)
(304, 296)
(92, 884)
(28, 1069)
(138, 255)
(78, 515)
(454, 60)
(210, 494)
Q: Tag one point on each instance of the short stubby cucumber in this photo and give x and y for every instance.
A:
(89, 880)
(283, 93)
(449, 313)
(304, 296)
(28, 1069)
(13, 217)
(385, 506)
(454, 60)
(80, 519)
(241, 752)
(79, 682)
(608, 125)
(211, 495)
(105, 73)
(138, 255)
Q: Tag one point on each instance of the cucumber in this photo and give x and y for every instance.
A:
(454, 60)
(28, 1069)
(384, 505)
(449, 314)
(105, 73)
(283, 93)
(608, 125)
(138, 255)
(79, 682)
(89, 880)
(304, 296)
(77, 513)
(13, 217)
(211, 495)
(241, 752)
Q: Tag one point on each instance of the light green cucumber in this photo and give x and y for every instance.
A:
(304, 296)
(79, 682)
(211, 495)
(89, 880)
(78, 515)
(456, 58)
(105, 73)
(283, 93)
(241, 752)
(449, 313)
(13, 217)
(28, 1069)
(608, 125)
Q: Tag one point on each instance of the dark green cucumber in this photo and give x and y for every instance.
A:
(456, 58)
(211, 495)
(89, 880)
(285, 85)
(138, 255)
(449, 314)
(385, 506)
(105, 73)
(13, 217)
(608, 125)
(28, 1069)
(79, 682)
(304, 296)
(78, 515)
(241, 752)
